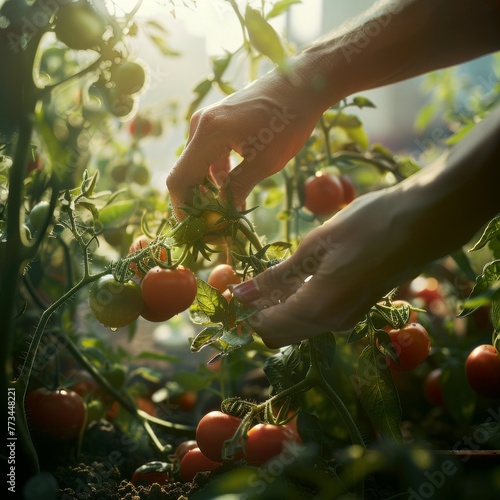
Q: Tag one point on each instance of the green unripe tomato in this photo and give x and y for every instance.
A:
(129, 77)
(113, 303)
(79, 27)
(39, 214)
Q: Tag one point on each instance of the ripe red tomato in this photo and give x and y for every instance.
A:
(183, 448)
(185, 401)
(266, 441)
(168, 291)
(140, 243)
(59, 414)
(323, 194)
(193, 462)
(148, 314)
(80, 381)
(221, 276)
(113, 303)
(140, 127)
(482, 369)
(152, 472)
(213, 429)
(433, 391)
(412, 343)
(348, 189)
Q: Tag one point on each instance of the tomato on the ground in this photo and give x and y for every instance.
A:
(412, 343)
(433, 391)
(213, 430)
(195, 461)
(221, 276)
(323, 194)
(266, 441)
(168, 291)
(55, 414)
(152, 472)
(113, 303)
(482, 369)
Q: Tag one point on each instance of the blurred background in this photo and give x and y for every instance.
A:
(198, 31)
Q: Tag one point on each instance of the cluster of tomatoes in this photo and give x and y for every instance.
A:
(263, 442)
(157, 295)
(325, 194)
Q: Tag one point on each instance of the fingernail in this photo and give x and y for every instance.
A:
(246, 292)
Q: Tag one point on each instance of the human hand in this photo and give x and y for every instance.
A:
(266, 123)
(338, 272)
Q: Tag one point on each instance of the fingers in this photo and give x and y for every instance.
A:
(206, 146)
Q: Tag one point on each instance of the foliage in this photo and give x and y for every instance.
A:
(73, 199)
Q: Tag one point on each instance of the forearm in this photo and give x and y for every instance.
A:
(444, 205)
(396, 40)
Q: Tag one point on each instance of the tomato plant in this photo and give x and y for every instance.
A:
(323, 194)
(265, 441)
(56, 414)
(168, 291)
(141, 242)
(195, 461)
(213, 430)
(411, 343)
(221, 276)
(482, 368)
(115, 304)
(129, 77)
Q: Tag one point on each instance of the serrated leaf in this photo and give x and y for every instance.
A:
(210, 303)
(358, 332)
(234, 340)
(491, 231)
(280, 7)
(264, 38)
(117, 214)
(379, 397)
(485, 286)
(397, 317)
(207, 336)
(279, 367)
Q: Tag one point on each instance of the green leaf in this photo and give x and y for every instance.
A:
(264, 38)
(363, 102)
(459, 134)
(190, 381)
(280, 7)
(207, 336)
(463, 262)
(346, 121)
(495, 311)
(491, 231)
(397, 317)
(210, 302)
(279, 368)
(425, 116)
(117, 214)
(358, 332)
(379, 397)
(325, 347)
(162, 46)
(486, 285)
(219, 66)
(273, 197)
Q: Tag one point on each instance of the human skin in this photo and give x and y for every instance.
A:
(383, 237)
